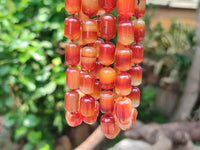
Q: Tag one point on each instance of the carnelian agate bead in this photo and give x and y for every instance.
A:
(72, 53)
(116, 132)
(92, 119)
(87, 80)
(123, 84)
(90, 7)
(71, 101)
(107, 53)
(120, 19)
(89, 31)
(107, 78)
(80, 40)
(96, 45)
(137, 53)
(123, 108)
(98, 21)
(73, 118)
(125, 124)
(82, 16)
(108, 27)
(126, 8)
(101, 11)
(139, 30)
(87, 105)
(139, 8)
(109, 5)
(136, 75)
(107, 101)
(134, 115)
(134, 96)
(88, 58)
(123, 59)
(125, 32)
(72, 28)
(118, 46)
(97, 89)
(107, 122)
(72, 6)
(97, 68)
(73, 78)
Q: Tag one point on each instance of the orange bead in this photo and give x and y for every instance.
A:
(139, 8)
(123, 59)
(98, 21)
(135, 96)
(118, 46)
(73, 119)
(72, 28)
(97, 68)
(88, 58)
(97, 89)
(82, 16)
(109, 5)
(73, 78)
(107, 101)
(80, 40)
(87, 105)
(125, 32)
(125, 124)
(72, 53)
(123, 84)
(108, 27)
(120, 19)
(107, 53)
(137, 53)
(107, 78)
(107, 124)
(72, 6)
(90, 7)
(134, 115)
(116, 132)
(87, 80)
(139, 30)
(80, 93)
(92, 119)
(126, 7)
(136, 75)
(71, 101)
(101, 11)
(89, 31)
(96, 45)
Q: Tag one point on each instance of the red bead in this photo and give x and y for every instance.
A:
(107, 124)
(72, 53)
(123, 84)
(73, 119)
(125, 32)
(98, 21)
(80, 40)
(82, 16)
(126, 7)
(123, 59)
(107, 78)
(118, 46)
(139, 8)
(107, 53)
(72, 28)
(72, 6)
(97, 89)
(116, 132)
(107, 101)
(71, 101)
(96, 45)
(136, 75)
(97, 68)
(89, 31)
(135, 96)
(73, 78)
(90, 7)
(87, 105)
(88, 58)
(109, 5)
(125, 124)
(92, 119)
(134, 115)
(137, 53)
(101, 11)
(87, 80)
(139, 30)
(121, 19)
(108, 27)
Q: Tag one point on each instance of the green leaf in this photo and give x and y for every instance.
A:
(50, 87)
(30, 121)
(58, 122)
(4, 70)
(28, 146)
(34, 136)
(19, 132)
(45, 147)
(57, 61)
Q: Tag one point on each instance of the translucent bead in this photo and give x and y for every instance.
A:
(137, 53)
(139, 30)
(80, 40)
(72, 53)
(101, 11)
(96, 45)
(108, 27)
(88, 58)
(87, 80)
(107, 101)
(73, 118)
(123, 84)
(97, 89)
(92, 119)
(125, 124)
(72, 6)
(134, 115)
(72, 28)
(126, 8)
(135, 96)
(87, 105)
(98, 21)
(107, 122)
(139, 8)
(107, 78)
(82, 16)
(136, 75)
(71, 101)
(109, 5)
(116, 132)
(97, 68)
(73, 78)
(122, 19)
(90, 7)
(107, 53)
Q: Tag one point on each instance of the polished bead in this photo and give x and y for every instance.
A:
(125, 33)
(96, 45)
(71, 101)
(139, 30)
(72, 6)
(82, 16)
(80, 40)
(125, 124)
(121, 19)
(89, 31)
(107, 78)
(90, 7)
(88, 58)
(136, 75)
(98, 21)
(92, 119)
(107, 53)
(80, 93)
(73, 78)
(87, 105)
(72, 28)
(123, 84)
(139, 8)
(108, 27)
(123, 59)
(109, 5)
(72, 53)
(134, 96)
(101, 11)
(107, 122)
(126, 7)
(107, 101)
(137, 53)
(87, 80)
(97, 89)
(97, 68)
(73, 118)
(116, 132)
(134, 115)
